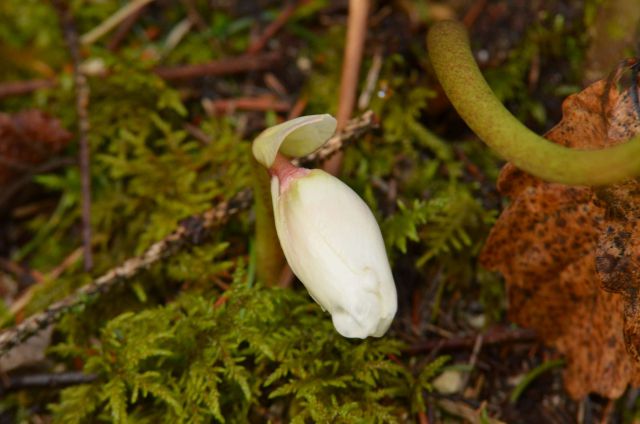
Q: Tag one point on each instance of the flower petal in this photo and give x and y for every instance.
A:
(333, 244)
(297, 137)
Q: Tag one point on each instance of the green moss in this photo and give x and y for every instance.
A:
(172, 344)
(230, 358)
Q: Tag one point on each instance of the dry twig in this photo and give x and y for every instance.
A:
(19, 303)
(271, 30)
(190, 231)
(352, 130)
(17, 88)
(356, 34)
(474, 13)
(496, 335)
(47, 380)
(18, 184)
(123, 29)
(193, 15)
(259, 103)
(82, 105)
(464, 411)
(371, 81)
(225, 66)
(195, 132)
(113, 21)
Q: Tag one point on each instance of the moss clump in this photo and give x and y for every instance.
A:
(250, 353)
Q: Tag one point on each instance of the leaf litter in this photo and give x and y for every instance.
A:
(27, 138)
(571, 255)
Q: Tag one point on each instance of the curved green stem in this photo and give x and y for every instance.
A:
(472, 97)
(269, 256)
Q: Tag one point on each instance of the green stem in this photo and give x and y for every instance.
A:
(472, 97)
(532, 375)
(269, 256)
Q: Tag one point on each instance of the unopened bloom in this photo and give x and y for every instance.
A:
(328, 234)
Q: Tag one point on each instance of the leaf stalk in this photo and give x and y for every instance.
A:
(468, 91)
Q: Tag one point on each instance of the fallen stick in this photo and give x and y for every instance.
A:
(496, 335)
(113, 21)
(190, 229)
(260, 103)
(17, 88)
(354, 46)
(271, 30)
(45, 381)
(225, 66)
(82, 111)
(123, 29)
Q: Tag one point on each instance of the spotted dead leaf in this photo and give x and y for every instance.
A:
(618, 254)
(27, 138)
(571, 255)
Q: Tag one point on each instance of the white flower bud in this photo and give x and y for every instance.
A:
(328, 234)
(334, 246)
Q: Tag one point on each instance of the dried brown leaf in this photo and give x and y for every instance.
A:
(548, 240)
(28, 138)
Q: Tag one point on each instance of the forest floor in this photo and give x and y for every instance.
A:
(162, 106)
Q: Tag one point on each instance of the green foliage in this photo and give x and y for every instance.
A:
(167, 346)
(453, 216)
(228, 359)
(556, 42)
(446, 220)
(430, 205)
(403, 226)
(26, 50)
(148, 174)
(423, 382)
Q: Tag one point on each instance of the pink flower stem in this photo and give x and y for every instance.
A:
(286, 172)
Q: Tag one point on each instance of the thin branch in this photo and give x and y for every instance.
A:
(198, 134)
(474, 13)
(192, 13)
(464, 411)
(192, 230)
(82, 105)
(273, 27)
(298, 107)
(15, 164)
(10, 190)
(225, 66)
(113, 21)
(17, 88)
(260, 103)
(176, 35)
(24, 275)
(123, 29)
(473, 360)
(372, 80)
(46, 380)
(496, 335)
(352, 130)
(25, 297)
(356, 34)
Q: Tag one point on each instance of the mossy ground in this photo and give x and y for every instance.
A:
(196, 338)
